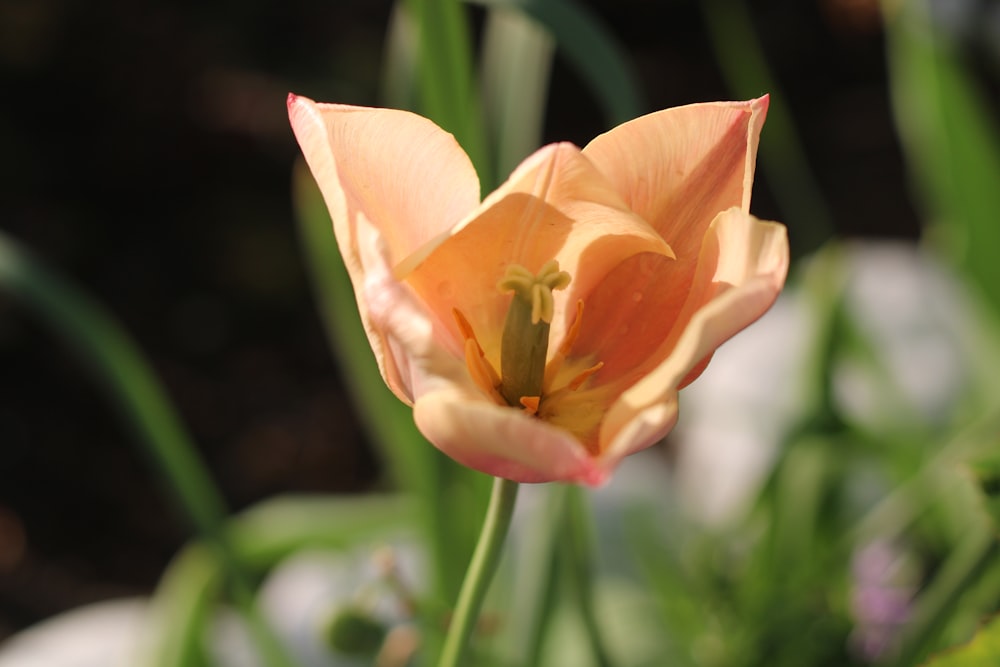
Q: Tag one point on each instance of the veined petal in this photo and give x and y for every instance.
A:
(556, 205)
(502, 441)
(741, 268)
(402, 172)
(679, 167)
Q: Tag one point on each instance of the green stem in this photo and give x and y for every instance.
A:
(577, 548)
(534, 598)
(480, 572)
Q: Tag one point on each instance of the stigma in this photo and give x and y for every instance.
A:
(535, 289)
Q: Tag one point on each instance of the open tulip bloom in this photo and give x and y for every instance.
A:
(543, 333)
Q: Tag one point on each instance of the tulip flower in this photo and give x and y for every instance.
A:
(543, 333)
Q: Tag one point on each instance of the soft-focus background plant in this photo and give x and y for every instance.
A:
(821, 503)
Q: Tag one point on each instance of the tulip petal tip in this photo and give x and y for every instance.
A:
(594, 476)
(761, 104)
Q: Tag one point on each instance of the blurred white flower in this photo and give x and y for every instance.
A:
(910, 312)
(105, 634)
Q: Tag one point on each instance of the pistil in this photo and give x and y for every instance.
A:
(525, 342)
(526, 379)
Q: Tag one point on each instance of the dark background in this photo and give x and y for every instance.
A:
(145, 153)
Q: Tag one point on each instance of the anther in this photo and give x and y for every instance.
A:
(576, 382)
(555, 363)
(482, 372)
(465, 327)
(535, 289)
(530, 404)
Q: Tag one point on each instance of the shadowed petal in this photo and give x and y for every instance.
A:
(741, 269)
(630, 313)
(401, 331)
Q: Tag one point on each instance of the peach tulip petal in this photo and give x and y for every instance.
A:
(741, 269)
(679, 167)
(391, 180)
(555, 206)
(631, 311)
(644, 428)
(502, 441)
(402, 172)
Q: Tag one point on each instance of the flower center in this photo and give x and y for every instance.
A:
(526, 376)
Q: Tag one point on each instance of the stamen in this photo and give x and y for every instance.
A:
(555, 363)
(574, 330)
(464, 326)
(576, 382)
(530, 404)
(481, 370)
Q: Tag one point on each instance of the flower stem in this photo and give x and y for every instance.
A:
(480, 572)
(577, 552)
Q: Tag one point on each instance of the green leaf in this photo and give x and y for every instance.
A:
(940, 600)
(447, 92)
(532, 560)
(980, 652)
(516, 62)
(590, 49)
(576, 559)
(181, 610)
(951, 140)
(262, 535)
(274, 529)
(986, 474)
(398, 85)
(116, 362)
